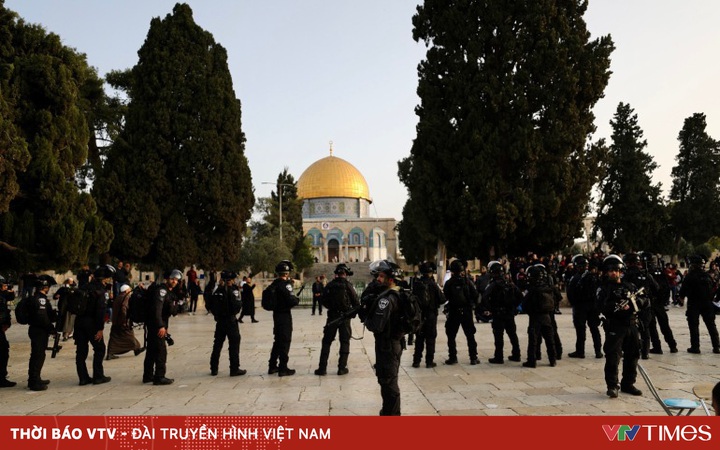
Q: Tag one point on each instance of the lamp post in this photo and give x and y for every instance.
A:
(279, 186)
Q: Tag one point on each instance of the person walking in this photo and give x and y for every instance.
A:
(248, 299)
(161, 306)
(89, 325)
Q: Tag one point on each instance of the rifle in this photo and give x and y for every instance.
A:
(56, 345)
(60, 322)
(302, 288)
(365, 302)
(630, 300)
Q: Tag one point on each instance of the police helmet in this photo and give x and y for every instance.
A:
(613, 262)
(631, 259)
(173, 274)
(284, 266)
(537, 274)
(44, 280)
(457, 266)
(343, 268)
(390, 269)
(104, 271)
(696, 261)
(647, 258)
(3, 280)
(580, 260)
(496, 268)
(228, 275)
(427, 267)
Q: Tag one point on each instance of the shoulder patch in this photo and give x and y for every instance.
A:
(42, 301)
(383, 303)
(162, 292)
(289, 287)
(236, 293)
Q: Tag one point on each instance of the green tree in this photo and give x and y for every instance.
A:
(631, 214)
(695, 190)
(46, 222)
(507, 90)
(176, 182)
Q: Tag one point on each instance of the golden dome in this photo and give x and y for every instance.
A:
(332, 177)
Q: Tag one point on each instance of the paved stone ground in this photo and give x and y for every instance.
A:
(574, 387)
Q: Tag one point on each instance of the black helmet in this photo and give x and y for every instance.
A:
(580, 261)
(537, 274)
(647, 258)
(427, 267)
(613, 262)
(496, 268)
(284, 266)
(228, 275)
(104, 271)
(44, 280)
(457, 266)
(389, 268)
(631, 259)
(3, 280)
(343, 268)
(696, 261)
(174, 273)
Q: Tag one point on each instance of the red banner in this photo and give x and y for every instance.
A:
(302, 432)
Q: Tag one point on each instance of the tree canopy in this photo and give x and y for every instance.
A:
(631, 215)
(176, 183)
(46, 220)
(501, 159)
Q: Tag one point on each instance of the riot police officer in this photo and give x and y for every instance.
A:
(384, 321)
(282, 320)
(339, 297)
(89, 325)
(636, 274)
(620, 306)
(539, 305)
(462, 299)
(697, 287)
(501, 300)
(427, 336)
(40, 328)
(226, 304)
(657, 304)
(160, 307)
(7, 295)
(581, 291)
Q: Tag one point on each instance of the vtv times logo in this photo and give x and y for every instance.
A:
(659, 433)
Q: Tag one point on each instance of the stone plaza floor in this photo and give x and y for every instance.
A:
(574, 387)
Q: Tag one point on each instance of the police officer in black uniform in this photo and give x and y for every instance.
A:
(427, 335)
(581, 290)
(384, 321)
(539, 305)
(501, 300)
(40, 328)
(226, 305)
(636, 274)
(657, 303)
(7, 295)
(697, 287)
(160, 307)
(622, 336)
(282, 320)
(89, 326)
(339, 286)
(462, 298)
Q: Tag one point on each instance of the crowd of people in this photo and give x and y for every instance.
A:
(621, 300)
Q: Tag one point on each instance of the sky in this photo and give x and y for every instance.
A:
(313, 71)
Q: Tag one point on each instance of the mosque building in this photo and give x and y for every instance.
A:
(336, 214)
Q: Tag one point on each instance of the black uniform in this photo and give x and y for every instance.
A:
(342, 328)
(501, 299)
(462, 299)
(282, 327)
(317, 290)
(581, 292)
(6, 296)
(539, 305)
(160, 308)
(87, 326)
(226, 305)
(697, 287)
(40, 328)
(248, 301)
(389, 345)
(660, 316)
(622, 337)
(427, 335)
(642, 279)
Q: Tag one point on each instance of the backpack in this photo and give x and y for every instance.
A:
(335, 297)
(411, 320)
(138, 304)
(22, 311)
(269, 298)
(546, 303)
(421, 291)
(77, 301)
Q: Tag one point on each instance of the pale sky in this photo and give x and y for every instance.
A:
(313, 71)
